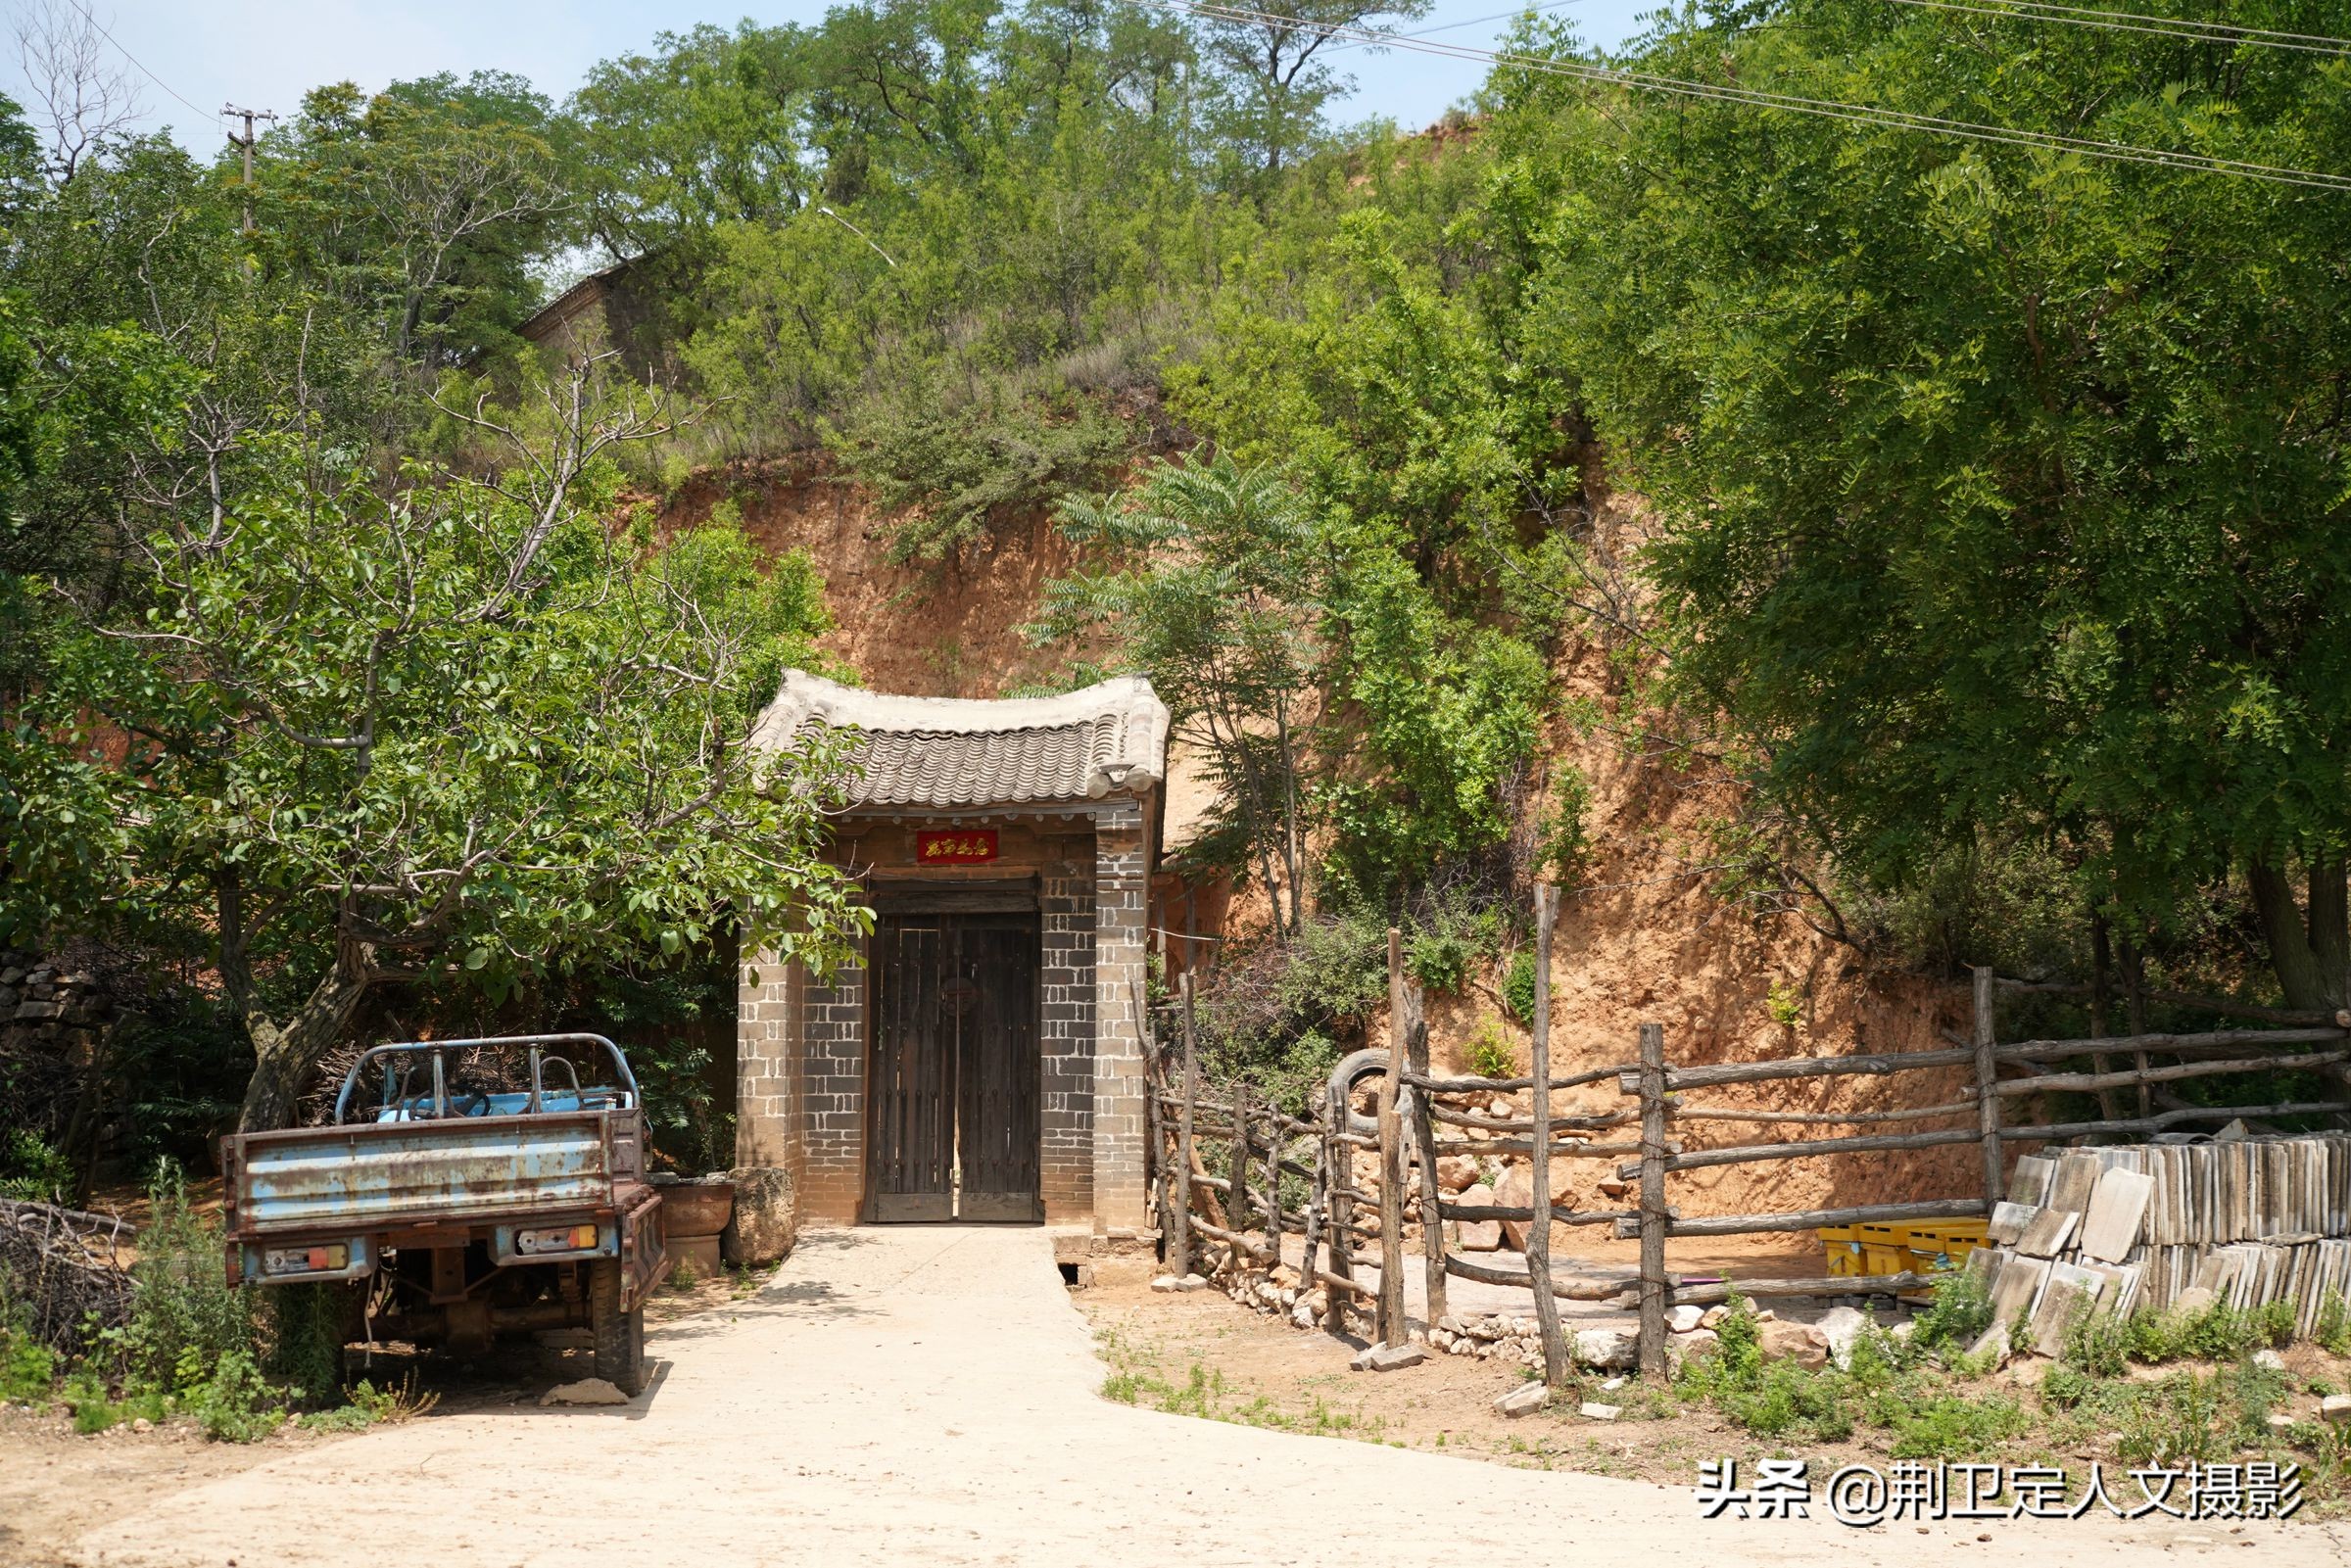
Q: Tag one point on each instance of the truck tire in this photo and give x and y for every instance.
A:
(619, 1334)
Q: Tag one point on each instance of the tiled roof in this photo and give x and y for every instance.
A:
(950, 751)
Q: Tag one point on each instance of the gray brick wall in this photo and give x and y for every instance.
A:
(831, 1092)
(1067, 1030)
(767, 1124)
(1121, 888)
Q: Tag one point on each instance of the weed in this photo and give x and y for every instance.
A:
(2334, 1327)
(1960, 1311)
(1785, 1005)
(306, 1338)
(236, 1404)
(27, 1367)
(2098, 1343)
(180, 1300)
(86, 1398)
(1951, 1427)
(1489, 1055)
(684, 1276)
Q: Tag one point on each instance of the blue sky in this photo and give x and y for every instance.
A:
(264, 54)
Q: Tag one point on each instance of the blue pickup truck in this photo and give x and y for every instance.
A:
(464, 1202)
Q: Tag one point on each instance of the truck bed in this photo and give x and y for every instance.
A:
(379, 1176)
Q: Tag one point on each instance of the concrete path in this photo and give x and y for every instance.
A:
(928, 1396)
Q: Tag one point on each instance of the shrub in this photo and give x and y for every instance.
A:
(33, 1172)
(1440, 960)
(2334, 1327)
(306, 1339)
(1564, 846)
(1785, 1005)
(181, 1306)
(1518, 986)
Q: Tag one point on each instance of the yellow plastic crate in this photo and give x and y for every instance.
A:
(1945, 1243)
(1843, 1244)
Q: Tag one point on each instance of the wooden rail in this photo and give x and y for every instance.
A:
(1415, 1132)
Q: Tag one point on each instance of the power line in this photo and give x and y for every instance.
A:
(134, 59)
(2133, 22)
(1830, 109)
(1456, 26)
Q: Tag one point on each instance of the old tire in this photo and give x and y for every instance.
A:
(619, 1334)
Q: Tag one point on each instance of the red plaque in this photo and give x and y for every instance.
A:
(959, 846)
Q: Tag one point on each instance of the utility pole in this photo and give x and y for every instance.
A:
(249, 116)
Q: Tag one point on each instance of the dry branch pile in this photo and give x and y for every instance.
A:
(65, 1270)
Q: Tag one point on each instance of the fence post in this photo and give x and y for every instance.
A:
(1432, 1218)
(1555, 1368)
(1392, 1328)
(1274, 1143)
(1154, 1139)
(1182, 1216)
(1338, 1218)
(1654, 1217)
(1236, 1208)
(1988, 1096)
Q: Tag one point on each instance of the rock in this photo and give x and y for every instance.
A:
(2269, 1361)
(1390, 1357)
(1500, 1107)
(1302, 1317)
(1713, 1317)
(1766, 1315)
(2280, 1423)
(1479, 1235)
(39, 1011)
(1597, 1411)
(1165, 1283)
(1456, 1173)
(2194, 1299)
(1842, 1327)
(2336, 1409)
(1609, 1349)
(587, 1391)
(1902, 1331)
(1613, 1186)
(1799, 1343)
(1992, 1343)
(1193, 1282)
(766, 1223)
(1515, 1190)
(1524, 1400)
(1682, 1347)
(1682, 1319)
(142, 1424)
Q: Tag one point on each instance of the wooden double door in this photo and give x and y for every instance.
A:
(955, 1080)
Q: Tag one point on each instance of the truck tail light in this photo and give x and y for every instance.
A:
(567, 1239)
(331, 1259)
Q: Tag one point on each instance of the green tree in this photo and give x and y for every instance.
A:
(1214, 596)
(2001, 488)
(438, 730)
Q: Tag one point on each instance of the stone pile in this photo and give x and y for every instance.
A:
(2170, 1224)
(51, 1011)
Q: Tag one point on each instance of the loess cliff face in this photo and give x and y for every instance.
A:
(1645, 939)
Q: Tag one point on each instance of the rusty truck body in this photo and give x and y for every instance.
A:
(450, 1211)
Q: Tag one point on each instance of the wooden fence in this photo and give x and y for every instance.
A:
(1244, 1207)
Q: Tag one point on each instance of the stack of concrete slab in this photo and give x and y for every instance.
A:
(2249, 1221)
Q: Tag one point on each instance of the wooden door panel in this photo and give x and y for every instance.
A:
(994, 1003)
(910, 1137)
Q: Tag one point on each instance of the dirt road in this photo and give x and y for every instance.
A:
(928, 1396)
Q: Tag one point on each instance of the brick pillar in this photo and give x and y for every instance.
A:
(1120, 891)
(831, 1090)
(1065, 1032)
(767, 1124)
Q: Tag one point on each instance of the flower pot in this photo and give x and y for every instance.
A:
(691, 1208)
